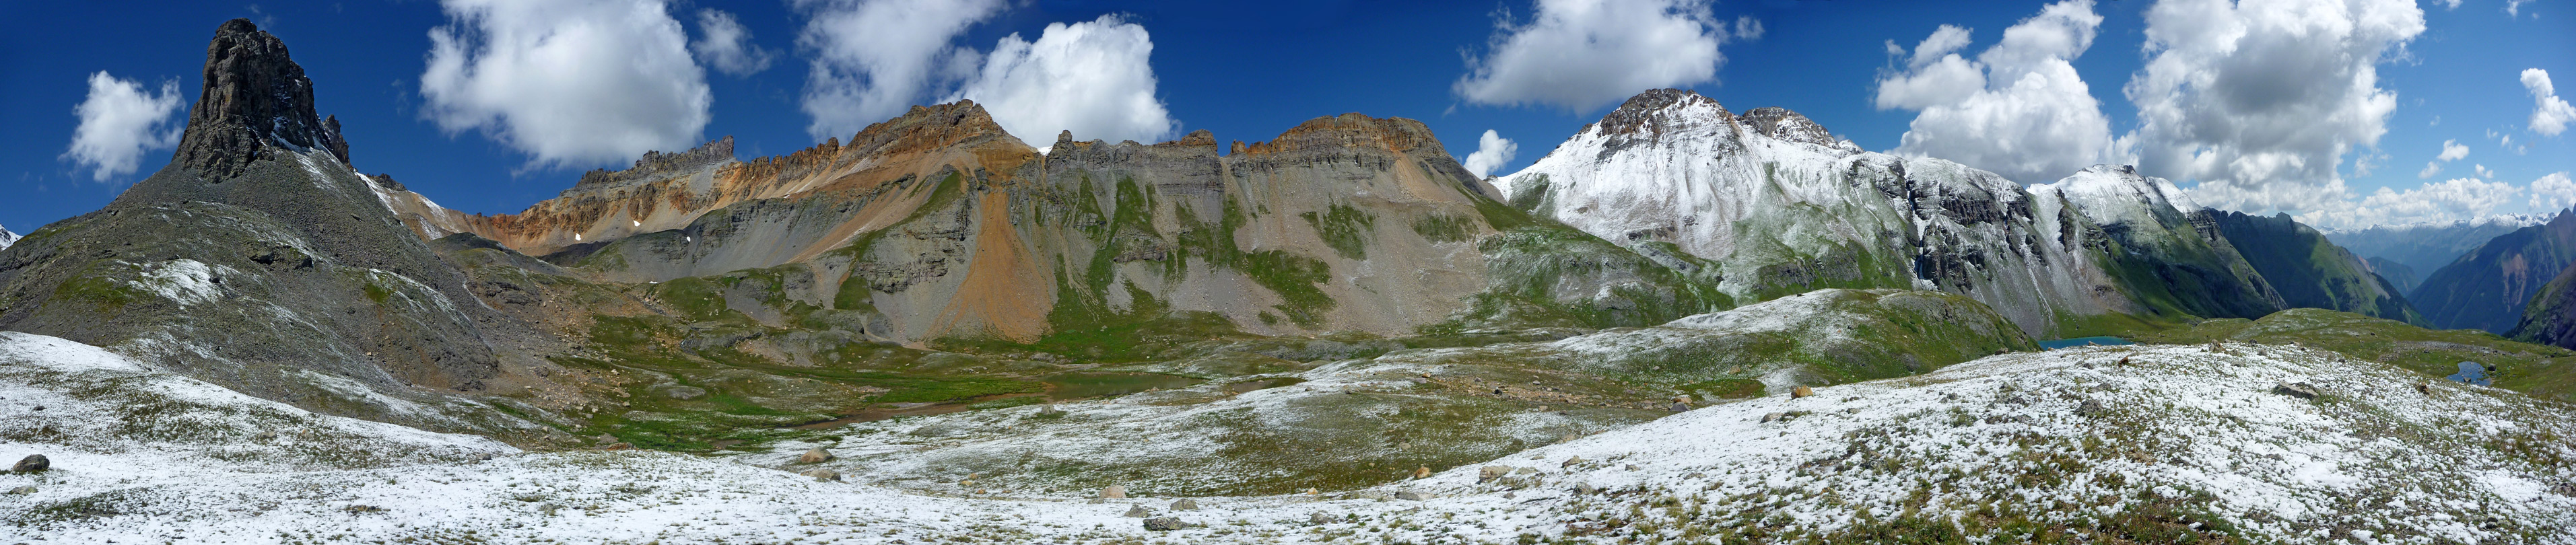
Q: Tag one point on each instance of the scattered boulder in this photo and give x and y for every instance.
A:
(822, 475)
(1409, 495)
(1317, 517)
(1525, 471)
(1586, 489)
(264, 435)
(815, 456)
(25, 490)
(1137, 512)
(1050, 411)
(1164, 524)
(33, 463)
(2091, 408)
(2299, 390)
(1680, 407)
(1801, 391)
(685, 393)
(1185, 504)
(2425, 388)
(1423, 472)
(1311, 491)
(1570, 461)
(1113, 492)
(1774, 417)
(1489, 473)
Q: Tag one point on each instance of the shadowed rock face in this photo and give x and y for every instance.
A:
(254, 96)
(2309, 272)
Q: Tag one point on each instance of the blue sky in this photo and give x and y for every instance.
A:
(2253, 132)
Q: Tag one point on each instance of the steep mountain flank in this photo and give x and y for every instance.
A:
(2397, 274)
(2310, 272)
(2490, 286)
(258, 260)
(2551, 317)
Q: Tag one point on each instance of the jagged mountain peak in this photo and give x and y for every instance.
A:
(255, 100)
(7, 238)
(1778, 122)
(655, 163)
(1657, 111)
(1354, 130)
(928, 127)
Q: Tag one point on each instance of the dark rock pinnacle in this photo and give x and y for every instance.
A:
(256, 101)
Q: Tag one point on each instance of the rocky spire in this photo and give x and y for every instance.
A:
(256, 101)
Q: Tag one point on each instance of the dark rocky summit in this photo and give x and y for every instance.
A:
(254, 96)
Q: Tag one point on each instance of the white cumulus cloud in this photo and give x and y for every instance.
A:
(2549, 114)
(2553, 192)
(2452, 150)
(2444, 201)
(1492, 152)
(2018, 109)
(1586, 54)
(1089, 77)
(569, 82)
(119, 121)
(2260, 101)
(724, 44)
(870, 60)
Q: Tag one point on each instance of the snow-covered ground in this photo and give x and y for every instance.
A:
(2177, 441)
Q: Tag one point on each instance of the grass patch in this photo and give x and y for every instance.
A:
(1343, 228)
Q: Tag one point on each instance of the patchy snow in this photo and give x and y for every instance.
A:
(2179, 439)
(7, 238)
(182, 281)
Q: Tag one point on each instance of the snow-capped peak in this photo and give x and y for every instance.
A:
(2112, 194)
(7, 238)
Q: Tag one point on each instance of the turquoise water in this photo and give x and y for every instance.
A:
(2082, 341)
